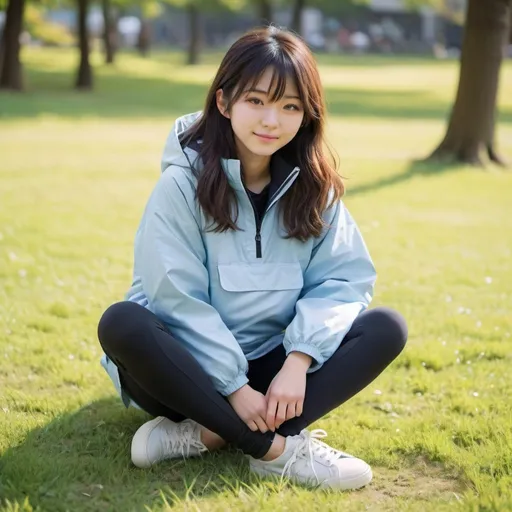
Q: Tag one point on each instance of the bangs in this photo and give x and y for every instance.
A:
(283, 71)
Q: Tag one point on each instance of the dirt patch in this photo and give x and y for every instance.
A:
(422, 481)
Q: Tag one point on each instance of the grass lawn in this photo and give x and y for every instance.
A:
(75, 172)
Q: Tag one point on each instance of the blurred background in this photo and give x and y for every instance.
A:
(428, 27)
(94, 33)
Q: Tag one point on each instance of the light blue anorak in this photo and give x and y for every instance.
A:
(219, 299)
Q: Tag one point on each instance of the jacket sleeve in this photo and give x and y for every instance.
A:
(338, 286)
(170, 259)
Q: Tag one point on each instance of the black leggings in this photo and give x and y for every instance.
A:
(163, 378)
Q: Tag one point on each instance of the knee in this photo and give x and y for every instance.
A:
(390, 328)
(116, 324)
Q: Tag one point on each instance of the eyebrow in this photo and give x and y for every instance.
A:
(266, 93)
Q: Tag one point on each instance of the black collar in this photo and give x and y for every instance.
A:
(280, 169)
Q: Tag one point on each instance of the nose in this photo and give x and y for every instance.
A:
(270, 117)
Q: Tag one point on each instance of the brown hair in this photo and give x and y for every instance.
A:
(242, 67)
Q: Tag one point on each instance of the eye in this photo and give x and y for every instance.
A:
(254, 101)
(292, 106)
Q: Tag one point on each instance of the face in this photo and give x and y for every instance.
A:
(262, 127)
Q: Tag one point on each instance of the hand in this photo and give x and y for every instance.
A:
(285, 395)
(251, 407)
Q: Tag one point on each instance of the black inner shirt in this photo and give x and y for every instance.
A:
(260, 201)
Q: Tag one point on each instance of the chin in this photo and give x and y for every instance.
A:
(268, 152)
(264, 151)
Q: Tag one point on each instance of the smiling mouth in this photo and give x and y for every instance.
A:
(268, 137)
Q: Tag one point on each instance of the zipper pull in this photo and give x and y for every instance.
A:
(258, 244)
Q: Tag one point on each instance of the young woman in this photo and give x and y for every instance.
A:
(247, 317)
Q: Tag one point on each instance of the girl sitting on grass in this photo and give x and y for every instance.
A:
(247, 318)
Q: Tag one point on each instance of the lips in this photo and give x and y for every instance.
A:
(267, 137)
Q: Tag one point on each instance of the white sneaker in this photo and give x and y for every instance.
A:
(306, 460)
(161, 439)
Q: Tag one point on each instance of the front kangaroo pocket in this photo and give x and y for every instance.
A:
(258, 298)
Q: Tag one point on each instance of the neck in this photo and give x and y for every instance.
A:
(255, 170)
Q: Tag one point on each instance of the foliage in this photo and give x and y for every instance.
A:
(211, 5)
(450, 9)
(44, 31)
(151, 9)
(453, 10)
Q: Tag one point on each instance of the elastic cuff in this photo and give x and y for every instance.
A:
(234, 385)
(261, 444)
(310, 350)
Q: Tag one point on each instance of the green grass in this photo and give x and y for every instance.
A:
(76, 170)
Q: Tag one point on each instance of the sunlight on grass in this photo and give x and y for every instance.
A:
(76, 172)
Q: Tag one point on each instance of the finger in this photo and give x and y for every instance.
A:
(281, 414)
(290, 411)
(262, 426)
(271, 414)
(252, 425)
(298, 408)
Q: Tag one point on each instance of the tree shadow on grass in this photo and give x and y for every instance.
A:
(81, 461)
(128, 95)
(392, 104)
(415, 168)
(114, 96)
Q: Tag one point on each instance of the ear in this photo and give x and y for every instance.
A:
(221, 103)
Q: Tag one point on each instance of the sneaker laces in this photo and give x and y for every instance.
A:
(182, 437)
(311, 446)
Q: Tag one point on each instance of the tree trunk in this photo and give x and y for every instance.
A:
(84, 78)
(296, 24)
(10, 70)
(2, 47)
(265, 11)
(471, 126)
(144, 42)
(194, 43)
(109, 32)
(510, 26)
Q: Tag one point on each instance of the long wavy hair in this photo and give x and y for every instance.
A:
(318, 185)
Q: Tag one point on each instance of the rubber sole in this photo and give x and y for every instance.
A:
(349, 485)
(333, 483)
